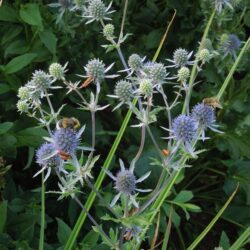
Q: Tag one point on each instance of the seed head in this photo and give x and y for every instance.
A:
(56, 70)
(183, 74)
(135, 62)
(23, 93)
(95, 69)
(125, 182)
(158, 72)
(146, 87)
(22, 106)
(66, 140)
(180, 57)
(44, 151)
(108, 31)
(184, 128)
(203, 114)
(124, 91)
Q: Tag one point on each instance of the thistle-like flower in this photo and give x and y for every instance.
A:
(97, 11)
(125, 183)
(135, 63)
(63, 5)
(158, 73)
(96, 71)
(230, 44)
(183, 130)
(66, 140)
(40, 83)
(123, 92)
(47, 157)
(204, 115)
(57, 71)
(180, 58)
(219, 4)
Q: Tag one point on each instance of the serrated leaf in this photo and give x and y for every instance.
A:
(19, 63)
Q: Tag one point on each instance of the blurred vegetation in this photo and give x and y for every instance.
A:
(30, 39)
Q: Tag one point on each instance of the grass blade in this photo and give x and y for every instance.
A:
(212, 223)
(242, 240)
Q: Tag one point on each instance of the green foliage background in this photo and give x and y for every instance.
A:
(30, 39)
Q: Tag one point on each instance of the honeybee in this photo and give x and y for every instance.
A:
(165, 152)
(213, 102)
(65, 122)
(87, 82)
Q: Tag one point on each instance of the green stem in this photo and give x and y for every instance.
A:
(41, 240)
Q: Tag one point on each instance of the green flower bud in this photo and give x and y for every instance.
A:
(146, 87)
(56, 70)
(108, 31)
(183, 74)
(23, 93)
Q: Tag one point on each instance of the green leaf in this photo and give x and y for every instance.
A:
(224, 241)
(63, 231)
(19, 63)
(16, 48)
(4, 88)
(49, 39)
(3, 215)
(30, 14)
(183, 196)
(8, 145)
(4, 127)
(91, 238)
(30, 137)
(8, 14)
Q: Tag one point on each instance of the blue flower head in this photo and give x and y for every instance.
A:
(66, 140)
(184, 128)
(204, 115)
(46, 155)
(231, 45)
